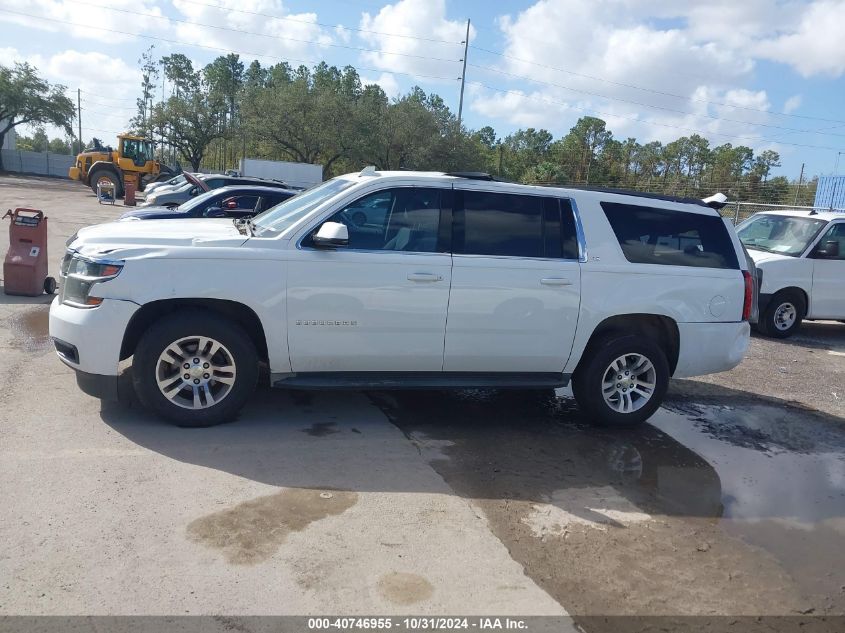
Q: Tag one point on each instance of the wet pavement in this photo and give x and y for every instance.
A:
(707, 509)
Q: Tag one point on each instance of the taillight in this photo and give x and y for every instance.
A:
(749, 295)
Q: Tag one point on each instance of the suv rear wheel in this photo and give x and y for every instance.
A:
(623, 380)
(195, 368)
(783, 315)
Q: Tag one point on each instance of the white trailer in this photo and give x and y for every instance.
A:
(295, 174)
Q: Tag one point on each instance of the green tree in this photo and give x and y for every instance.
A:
(26, 98)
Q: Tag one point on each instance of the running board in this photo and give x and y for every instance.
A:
(418, 380)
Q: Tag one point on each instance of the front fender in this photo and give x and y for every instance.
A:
(259, 285)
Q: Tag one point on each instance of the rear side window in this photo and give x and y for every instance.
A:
(674, 238)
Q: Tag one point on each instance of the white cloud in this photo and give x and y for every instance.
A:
(387, 82)
(816, 46)
(107, 106)
(417, 19)
(81, 20)
(792, 104)
(684, 55)
(293, 36)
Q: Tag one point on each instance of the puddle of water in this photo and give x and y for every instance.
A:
(401, 588)
(30, 329)
(254, 530)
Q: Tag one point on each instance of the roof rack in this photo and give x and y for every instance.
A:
(470, 175)
(639, 194)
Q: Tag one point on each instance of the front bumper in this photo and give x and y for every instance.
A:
(708, 348)
(89, 340)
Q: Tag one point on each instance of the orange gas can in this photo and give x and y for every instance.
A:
(25, 267)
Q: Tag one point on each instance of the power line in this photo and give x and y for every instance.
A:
(329, 26)
(274, 37)
(214, 48)
(652, 90)
(110, 98)
(649, 105)
(645, 122)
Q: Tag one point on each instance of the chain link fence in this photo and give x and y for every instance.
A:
(739, 211)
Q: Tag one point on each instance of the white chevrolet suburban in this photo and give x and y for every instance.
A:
(409, 279)
(800, 261)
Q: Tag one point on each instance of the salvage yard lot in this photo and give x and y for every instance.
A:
(730, 501)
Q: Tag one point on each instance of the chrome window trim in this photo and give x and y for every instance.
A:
(579, 231)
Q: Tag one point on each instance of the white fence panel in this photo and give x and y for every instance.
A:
(40, 163)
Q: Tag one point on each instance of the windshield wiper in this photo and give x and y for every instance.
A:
(757, 247)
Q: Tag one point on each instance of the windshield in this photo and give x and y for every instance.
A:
(783, 234)
(199, 200)
(286, 214)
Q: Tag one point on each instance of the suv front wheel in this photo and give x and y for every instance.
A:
(195, 368)
(623, 380)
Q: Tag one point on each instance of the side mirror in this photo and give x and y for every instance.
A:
(829, 249)
(331, 234)
(214, 212)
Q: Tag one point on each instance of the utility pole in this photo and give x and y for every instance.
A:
(798, 189)
(463, 77)
(79, 116)
(836, 166)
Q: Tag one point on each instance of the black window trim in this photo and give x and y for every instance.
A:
(458, 227)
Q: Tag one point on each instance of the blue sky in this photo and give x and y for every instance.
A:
(762, 73)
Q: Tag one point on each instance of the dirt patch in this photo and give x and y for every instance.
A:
(31, 329)
(401, 588)
(254, 530)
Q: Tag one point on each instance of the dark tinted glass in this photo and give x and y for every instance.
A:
(501, 224)
(561, 239)
(404, 219)
(675, 238)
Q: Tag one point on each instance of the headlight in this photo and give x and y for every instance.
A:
(79, 274)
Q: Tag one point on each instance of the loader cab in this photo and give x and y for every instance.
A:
(135, 152)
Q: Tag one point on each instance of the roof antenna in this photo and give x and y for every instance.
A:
(369, 170)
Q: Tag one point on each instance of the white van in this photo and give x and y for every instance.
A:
(800, 261)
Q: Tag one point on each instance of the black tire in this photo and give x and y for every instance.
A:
(185, 324)
(50, 285)
(772, 320)
(587, 381)
(106, 174)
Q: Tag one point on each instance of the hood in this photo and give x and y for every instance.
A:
(150, 213)
(761, 257)
(134, 239)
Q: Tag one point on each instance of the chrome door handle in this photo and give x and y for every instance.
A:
(555, 281)
(424, 277)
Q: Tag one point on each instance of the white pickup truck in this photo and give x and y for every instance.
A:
(800, 261)
(409, 279)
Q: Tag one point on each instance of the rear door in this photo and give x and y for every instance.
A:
(828, 296)
(516, 281)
